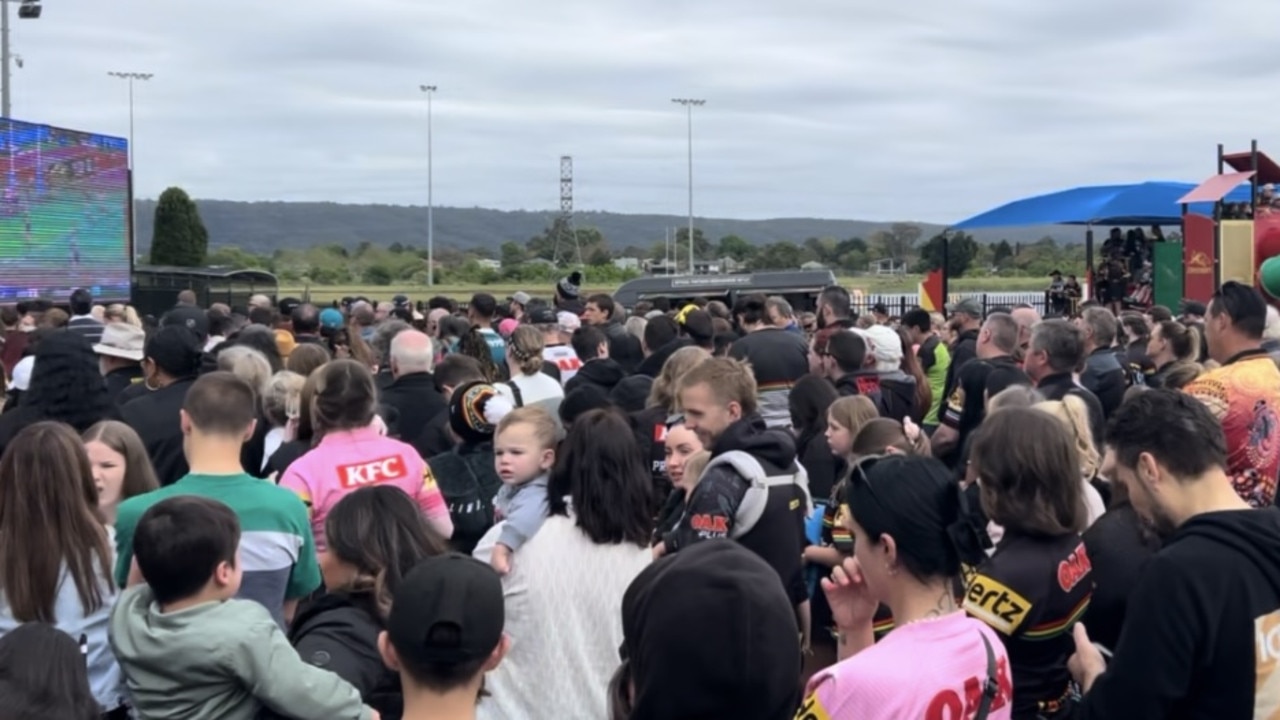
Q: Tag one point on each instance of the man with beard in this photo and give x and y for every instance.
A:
(1203, 636)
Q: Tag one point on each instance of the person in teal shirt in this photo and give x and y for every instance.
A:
(277, 549)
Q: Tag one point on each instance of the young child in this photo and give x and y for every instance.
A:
(523, 453)
(444, 634)
(189, 650)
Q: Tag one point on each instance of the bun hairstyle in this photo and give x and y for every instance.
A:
(916, 500)
(525, 347)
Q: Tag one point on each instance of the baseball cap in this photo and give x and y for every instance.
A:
(400, 300)
(968, 306)
(521, 298)
(880, 308)
(541, 315)
(287, 305)
(568, 321)
(447, 610)
(886, 345)
(192, 318)
(331, 319)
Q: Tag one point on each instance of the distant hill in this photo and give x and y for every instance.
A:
(264, 227)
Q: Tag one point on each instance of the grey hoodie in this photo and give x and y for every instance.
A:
(219, 661)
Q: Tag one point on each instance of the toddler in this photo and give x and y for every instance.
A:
(523, 453)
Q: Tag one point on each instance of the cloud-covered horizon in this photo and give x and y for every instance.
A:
(926, 111)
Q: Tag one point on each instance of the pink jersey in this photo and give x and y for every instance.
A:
(347, 461)
(888, 680)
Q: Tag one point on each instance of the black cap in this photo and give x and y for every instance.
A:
(880, 308)
(191, 318)
(743, 661)
(1193, 307)
(447, 610)
(287, 305)
(540, 315)
(400, 300)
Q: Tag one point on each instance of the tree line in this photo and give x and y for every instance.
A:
(180, 238)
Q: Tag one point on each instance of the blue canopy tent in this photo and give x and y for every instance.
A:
(1146, 203)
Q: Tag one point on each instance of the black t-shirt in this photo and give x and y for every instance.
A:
(966, 405)
(1032, 591)
(778, 357)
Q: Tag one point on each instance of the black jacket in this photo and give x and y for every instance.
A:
(434, 438)
(1056, 387)
(467, 479)
(778, 537)
(1104, 377)
(652, 365)
(650, 428)
(823, 467)
(899, 397)
(624, 348)
(284, 456)
(1202, 639)
(155, 417)
(604, 373)
(119, 379)
(862, 382)
(339, 633)
(416, 401)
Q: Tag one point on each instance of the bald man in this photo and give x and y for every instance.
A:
(1025, 316)
(413, 394)
(260, 301)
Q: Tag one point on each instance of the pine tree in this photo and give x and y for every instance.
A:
(180, 237)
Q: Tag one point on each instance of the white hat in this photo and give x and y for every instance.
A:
(568, 321)
(886, 345)
(21, 379)
(122, 340)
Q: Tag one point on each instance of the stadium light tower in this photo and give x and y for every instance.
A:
(690, 104)
(133, 204)
(27, 10)
(430, 91)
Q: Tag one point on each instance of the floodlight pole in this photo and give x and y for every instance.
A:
(5, 59)
(690, 104)
(130, 77)
(430, 91)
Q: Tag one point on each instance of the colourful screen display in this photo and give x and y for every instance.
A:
(64, 213)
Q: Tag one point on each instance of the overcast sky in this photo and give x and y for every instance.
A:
(928, 110)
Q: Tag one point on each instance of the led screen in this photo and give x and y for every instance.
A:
(64, 214)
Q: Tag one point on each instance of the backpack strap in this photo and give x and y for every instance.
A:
(516, 396)
(754, 500)
(990, 688)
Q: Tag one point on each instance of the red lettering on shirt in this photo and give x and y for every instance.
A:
(948, 705)
(569, 363)
(1072, 570)
(660, 432)
(709, 523)
(373, 472)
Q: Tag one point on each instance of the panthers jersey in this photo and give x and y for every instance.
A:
(1032, 591)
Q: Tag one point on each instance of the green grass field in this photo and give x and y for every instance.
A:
(870, 284)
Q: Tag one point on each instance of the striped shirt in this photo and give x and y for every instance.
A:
(88, 327)
(277, 551)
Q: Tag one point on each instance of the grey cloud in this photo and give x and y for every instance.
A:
(926, 110)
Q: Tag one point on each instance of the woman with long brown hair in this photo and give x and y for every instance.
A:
(55, 554)
(374, 537)
(121, 468)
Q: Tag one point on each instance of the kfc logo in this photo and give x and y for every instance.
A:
(371, 473)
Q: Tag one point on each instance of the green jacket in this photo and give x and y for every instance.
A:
(219, 661)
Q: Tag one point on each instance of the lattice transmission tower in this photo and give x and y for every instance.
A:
(565, 233)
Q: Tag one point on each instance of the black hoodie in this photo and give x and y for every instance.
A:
(652, 365)
(709, 633)
(778, 537)
(604, 373)
(1202, 637)
(898, 393)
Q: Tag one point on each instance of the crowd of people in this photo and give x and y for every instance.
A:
(562, 508)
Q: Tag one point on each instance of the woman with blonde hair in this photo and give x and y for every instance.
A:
(1173, 349)
(845, 419)
(121, 467)
(1074, 416)
(281, 407)
(529, 386)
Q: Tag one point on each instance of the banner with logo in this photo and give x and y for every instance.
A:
(1199, 261)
